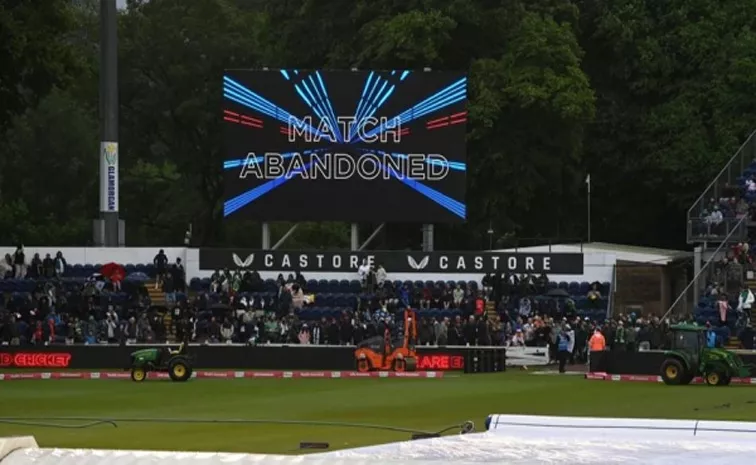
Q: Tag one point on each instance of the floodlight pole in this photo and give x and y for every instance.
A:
(588, 202)
(109, 153)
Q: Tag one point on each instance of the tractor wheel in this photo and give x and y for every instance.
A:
(179, 370)
(687, 379)
(714, 378)
(363, 366)
(138, 374)
(725, 381)
(673, 372)
(400, 365)
(410, 364)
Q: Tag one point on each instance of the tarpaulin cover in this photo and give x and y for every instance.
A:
(511, 440)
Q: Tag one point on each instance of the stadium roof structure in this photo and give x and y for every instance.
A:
(510, 440)
(628, 253)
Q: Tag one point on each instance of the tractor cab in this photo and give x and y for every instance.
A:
(180, 351)
(376, 344)
(688, 339)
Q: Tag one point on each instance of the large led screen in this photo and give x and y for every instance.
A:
(377, 146)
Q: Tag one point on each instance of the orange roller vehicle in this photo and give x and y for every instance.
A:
(379, 354)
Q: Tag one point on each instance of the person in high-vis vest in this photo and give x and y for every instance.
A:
(597, 343)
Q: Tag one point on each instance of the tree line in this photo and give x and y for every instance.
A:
(651, 97)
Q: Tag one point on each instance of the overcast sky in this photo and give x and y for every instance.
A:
(121, 3)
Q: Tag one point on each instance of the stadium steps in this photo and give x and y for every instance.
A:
(491, 309)
(157, 296)
(733, 343)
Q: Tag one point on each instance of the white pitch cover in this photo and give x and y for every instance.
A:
(511, 440)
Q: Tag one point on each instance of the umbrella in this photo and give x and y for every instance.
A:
(113, 271)
(558, 293)
(137, 276)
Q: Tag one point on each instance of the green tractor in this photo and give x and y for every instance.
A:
(689, 357)
(175, 362)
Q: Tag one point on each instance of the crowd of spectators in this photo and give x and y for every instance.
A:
(241, 307)
(45, 302)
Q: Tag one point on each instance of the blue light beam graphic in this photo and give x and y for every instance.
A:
(452, 165)
(454, 206)
(449, 95)
(236, 92)
(239, 162)
(238, 202)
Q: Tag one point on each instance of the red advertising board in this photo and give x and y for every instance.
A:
(35, 360)
(440, 362)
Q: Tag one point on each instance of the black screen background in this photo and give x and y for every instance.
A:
(353, 199)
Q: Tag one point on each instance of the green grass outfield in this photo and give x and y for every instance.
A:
(427, 404)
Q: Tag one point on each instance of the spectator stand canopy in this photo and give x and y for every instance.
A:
(644, 280)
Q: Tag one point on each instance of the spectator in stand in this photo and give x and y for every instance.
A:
(441, 330)
(179, 276)
(227, 332)
(370, 281)
(60, 264)
(525, 307)
(297, 297)
(48, 267)
(480, 305)
(745, 301)
(363, 271)
(6, 267)
(458, 296)
(304, 334)
(470, 331)
(518, 339)
(35, 267)
(714, 220)
(161, 267)
(741, 208)
(19, 263)
(722, 307)
(380, 276)
(750, 185)
(425, 298)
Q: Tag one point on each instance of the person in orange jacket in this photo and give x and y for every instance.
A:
(597, 343)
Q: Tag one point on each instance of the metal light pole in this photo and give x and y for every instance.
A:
(109, 123)
(588, 183)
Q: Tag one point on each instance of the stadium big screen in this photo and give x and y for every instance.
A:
(345, 145)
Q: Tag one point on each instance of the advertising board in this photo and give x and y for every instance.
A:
(393, 261)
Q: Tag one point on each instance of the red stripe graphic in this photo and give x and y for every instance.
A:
(233, 117)
(444, 121)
